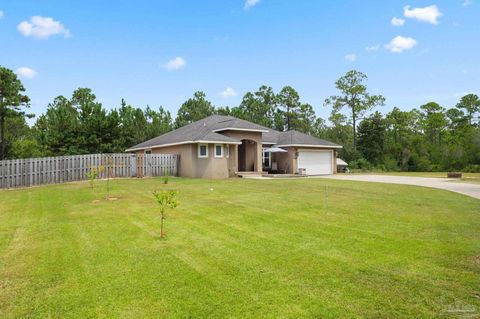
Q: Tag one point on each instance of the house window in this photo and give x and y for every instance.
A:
(266, 158)
(148, 151)
(202, 150)
(218, 150)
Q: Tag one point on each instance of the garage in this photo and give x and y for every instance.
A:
(316, 162)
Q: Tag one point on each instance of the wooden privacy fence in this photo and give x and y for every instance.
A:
(51, 170)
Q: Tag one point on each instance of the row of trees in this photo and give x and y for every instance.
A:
(282, 111)
(425, 139)
(428, 138)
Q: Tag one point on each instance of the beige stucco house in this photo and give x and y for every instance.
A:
(224, 146)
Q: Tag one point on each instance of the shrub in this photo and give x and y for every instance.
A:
(418, 163)
(166, 175)
(473, 168)
(390, 164)
(361, 164)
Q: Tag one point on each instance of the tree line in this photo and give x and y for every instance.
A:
(427, 138)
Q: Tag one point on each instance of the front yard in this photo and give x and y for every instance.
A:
(239, 249)
(466, 177)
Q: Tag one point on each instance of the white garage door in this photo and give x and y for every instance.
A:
(316, 163)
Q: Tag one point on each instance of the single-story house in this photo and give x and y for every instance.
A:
(222, 146)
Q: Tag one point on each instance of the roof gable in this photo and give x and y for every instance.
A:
(233, 123)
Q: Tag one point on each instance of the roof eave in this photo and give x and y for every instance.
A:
(133, 149)
(217, 142)
(309, 145)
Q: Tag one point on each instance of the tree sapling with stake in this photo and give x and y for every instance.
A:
(92, 176)
(166, 199)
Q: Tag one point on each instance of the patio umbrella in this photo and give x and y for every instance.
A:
(275, 150)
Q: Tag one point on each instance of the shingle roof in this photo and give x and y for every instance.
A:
(205, 131)
(298, 138)
(271, 136)
(230, 122)
(193, 132)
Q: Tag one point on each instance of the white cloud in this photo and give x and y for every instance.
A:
(42, 28)
(250, 3)
(400, 44)
(467, 3)
(428, 14)
(397, 22)
(1, 14)
(352, 57)
(26, 73)
(175, 64)
(372, 48)
(228, 92)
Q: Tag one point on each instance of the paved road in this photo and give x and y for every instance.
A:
(469, 189)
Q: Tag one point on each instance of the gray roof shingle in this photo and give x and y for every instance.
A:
(193, 132)
(227, 122)
(297, 138)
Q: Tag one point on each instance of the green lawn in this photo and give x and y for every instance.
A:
(466, 177)
(246, 249)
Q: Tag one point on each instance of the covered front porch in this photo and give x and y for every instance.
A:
(278, 161)
(275, 162)
(249, 158)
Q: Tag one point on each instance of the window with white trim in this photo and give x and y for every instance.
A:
(266, 158)
(202, 150)
(218, 150)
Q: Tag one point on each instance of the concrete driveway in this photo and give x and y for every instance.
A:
(469, 189)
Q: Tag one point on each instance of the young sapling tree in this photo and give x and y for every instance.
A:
(166, 199)
(92, 176)
(108, 169)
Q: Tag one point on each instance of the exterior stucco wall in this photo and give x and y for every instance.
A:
(233, 160)
(210, 167)
(288, 161)
(193, 166)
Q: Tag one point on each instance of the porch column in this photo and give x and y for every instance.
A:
(258, 163)
(334, 161)
(235, 160)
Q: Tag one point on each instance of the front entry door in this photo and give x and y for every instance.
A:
(242, 157)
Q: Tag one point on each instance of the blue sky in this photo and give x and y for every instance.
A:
(122, 49)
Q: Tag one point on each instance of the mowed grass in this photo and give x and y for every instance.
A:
(466, 177)
(239, 249)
